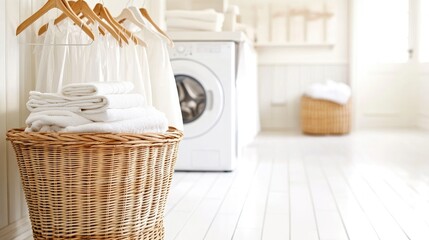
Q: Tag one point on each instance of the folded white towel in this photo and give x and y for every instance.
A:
(153, 123)
(112, 115)
(88, 104)
(53, 121)
(208, 15)
(331, 91)
(215, 26)
(97, 88)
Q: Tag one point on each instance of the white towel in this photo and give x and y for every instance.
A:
(154, 123)
(112, 115)
(96, 88)
(208, 15)
(331, 91)
(216, 26)
(53, 121)
(88, 104)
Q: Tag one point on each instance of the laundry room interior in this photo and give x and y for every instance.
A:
(214, 119)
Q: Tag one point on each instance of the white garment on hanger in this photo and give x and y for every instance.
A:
(136, 60)
(164, 91)
(112, 50)
(63, 57)
(95, 58)
(52, 60)
(144, 64)
(75, 61)
(130, 69)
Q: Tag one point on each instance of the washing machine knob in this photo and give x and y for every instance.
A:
(181, 49)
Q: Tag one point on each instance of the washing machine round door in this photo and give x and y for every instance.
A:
(200, 94)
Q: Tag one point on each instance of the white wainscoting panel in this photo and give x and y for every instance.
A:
(16, 79)
(281, 87)
(13, 107)
(3, 163)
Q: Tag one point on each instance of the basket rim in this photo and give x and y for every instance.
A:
(18, 135)
(319, 100)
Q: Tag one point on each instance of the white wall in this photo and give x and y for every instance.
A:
(15, 82)
(281, 87)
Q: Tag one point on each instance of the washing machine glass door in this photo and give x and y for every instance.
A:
(201, 96)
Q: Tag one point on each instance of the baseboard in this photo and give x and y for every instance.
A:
(15, 229)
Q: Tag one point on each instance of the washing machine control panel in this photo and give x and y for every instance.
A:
(188, 50)
(181, 51)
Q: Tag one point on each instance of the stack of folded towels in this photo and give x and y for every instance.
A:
(94, 107)
(197, 20)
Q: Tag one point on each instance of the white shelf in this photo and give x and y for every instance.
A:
(208, 36)
(294, 45)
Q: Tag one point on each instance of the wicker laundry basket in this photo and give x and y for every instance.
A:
(321, 117)
(96, 186)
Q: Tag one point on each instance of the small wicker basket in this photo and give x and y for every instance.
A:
(321, 117)
(96, 185)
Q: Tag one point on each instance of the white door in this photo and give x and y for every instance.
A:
(423, 57)
(385, 72)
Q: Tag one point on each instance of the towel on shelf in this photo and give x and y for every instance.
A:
(88, 104)
(207, 15)
(181, 23)
(53, 121)
(156, 123)
(112, 115)
(331, 91)
(97, 88)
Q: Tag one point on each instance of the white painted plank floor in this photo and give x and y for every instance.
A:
(363, 186)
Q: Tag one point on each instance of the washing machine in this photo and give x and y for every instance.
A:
(205, 75)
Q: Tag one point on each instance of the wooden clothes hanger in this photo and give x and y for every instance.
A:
(63, 6)
(128, 15)
(82, 7)
(146, 15)
(100, 11)
(141, 19)
(130, 35)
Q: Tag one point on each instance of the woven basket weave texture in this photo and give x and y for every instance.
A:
(96, 185)
(321, 117)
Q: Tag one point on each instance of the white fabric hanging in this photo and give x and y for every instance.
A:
(112, 50)
(52, 60)
(130, 68)
(144, 64)
(137, 60)
(75, 60)
(164, 91)
(94, 62)
(63, 57)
